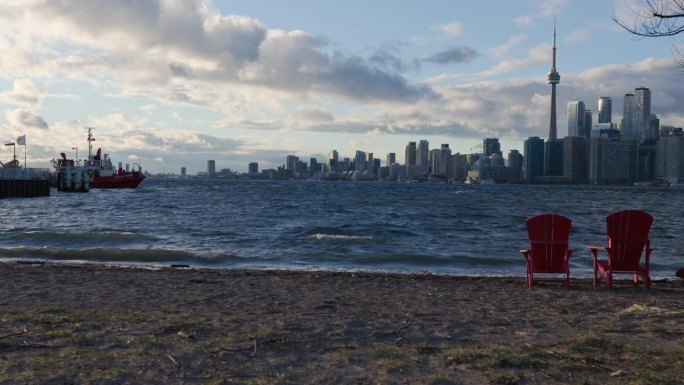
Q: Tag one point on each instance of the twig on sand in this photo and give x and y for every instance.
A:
(14, 334)
(396, 332)
(173, 360)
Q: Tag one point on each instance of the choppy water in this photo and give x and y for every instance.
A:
(445, 229)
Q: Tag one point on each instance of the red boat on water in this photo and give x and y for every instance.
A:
(104, 175)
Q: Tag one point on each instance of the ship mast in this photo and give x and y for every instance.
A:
(91, 139)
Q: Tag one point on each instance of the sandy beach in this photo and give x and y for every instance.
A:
(63, 324)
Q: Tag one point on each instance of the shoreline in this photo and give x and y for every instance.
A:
(62, 323)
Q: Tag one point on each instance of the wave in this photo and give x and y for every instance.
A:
(337, 237)
(97, 237)
(145, 256)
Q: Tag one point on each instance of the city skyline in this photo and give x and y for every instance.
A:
(170, 83)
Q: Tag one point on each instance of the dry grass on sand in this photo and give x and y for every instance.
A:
(95, 324)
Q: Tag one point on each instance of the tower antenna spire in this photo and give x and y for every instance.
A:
(553, 78)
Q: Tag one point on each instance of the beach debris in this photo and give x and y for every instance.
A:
(636, 308)
(619, 373)
(173, 360)
(180, 266)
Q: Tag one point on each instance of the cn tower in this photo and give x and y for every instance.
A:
(553, 78)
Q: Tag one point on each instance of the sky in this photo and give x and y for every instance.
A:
(174, 83)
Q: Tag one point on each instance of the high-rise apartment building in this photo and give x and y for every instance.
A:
(642, 113)
(533, 158)
(360, 161)
(292, 163)
(253, 168)
(575, 159)
(670, 158)
(183, 171)
(391, 158)
(515, 162)
(612, 160)
(491, 146)
(553, 157)
(410, 154)
(605, 109)
(333, 157)
(211, 168)
(445, 156)
(636, 119)
(423, 156)
(576, 116)
(627, 127)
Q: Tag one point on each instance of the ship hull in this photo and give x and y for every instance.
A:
(129, 180)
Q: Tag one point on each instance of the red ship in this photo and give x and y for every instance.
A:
(102, 173)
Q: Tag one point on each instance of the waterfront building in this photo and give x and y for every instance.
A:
(636, 118)
(588, 124)
(369, 162)
(445, 155)
(253, 168)
(360, 161)
(391, 158)
(292, 163)
(642, 113)
(515, 163)
(457, 167)
(533, 159)
(184, 172)
(575, 159)
(423, 156)
(627, 129)
(211, 168)
(670, 158)
(410, 154)
(333, 157)
(612, 160)
(553, 157)
(491, 146)
(435, 162)
(605, 109)
(576, 116)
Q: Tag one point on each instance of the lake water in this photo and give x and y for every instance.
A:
(388, 227)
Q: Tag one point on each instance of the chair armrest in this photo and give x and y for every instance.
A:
(594, 251)
(526, 253)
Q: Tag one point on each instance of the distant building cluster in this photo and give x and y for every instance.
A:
(637, 150)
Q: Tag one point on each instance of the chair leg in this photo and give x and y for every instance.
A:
(595, 275)
(636, 278)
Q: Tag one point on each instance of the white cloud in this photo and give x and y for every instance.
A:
(504, 49)
(578, 36)
(454, 29)
(523, 21)
(24, 91)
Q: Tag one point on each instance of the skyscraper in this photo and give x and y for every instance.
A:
(491, 146)
(533, 158)
(211, 168)
(423, 156)
(553, 78)
(642, 113)
(605, 109)
(576, 115)
(410, 154)
(627, 128)
(391, 158)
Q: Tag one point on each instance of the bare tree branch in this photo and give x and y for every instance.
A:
(655, 18)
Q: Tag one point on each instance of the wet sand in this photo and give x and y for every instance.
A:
(62, 323)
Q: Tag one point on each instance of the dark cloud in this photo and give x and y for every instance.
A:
(26, 119)
(453, 55)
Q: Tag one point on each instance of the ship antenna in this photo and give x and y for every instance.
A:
(91, 139)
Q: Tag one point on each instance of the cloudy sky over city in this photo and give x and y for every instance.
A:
(171, 83)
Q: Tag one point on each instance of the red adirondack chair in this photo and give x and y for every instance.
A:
(627, 242)
(548, 252)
